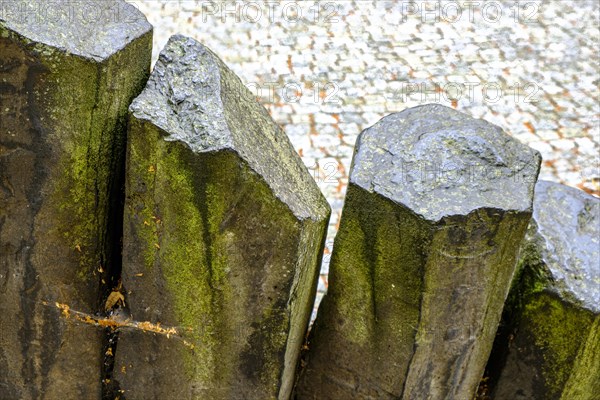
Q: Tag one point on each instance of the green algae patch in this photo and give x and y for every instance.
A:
(552, 342)
(87, 186)
(211, 246)
(369, 316)
(141, 211)
(181, 258)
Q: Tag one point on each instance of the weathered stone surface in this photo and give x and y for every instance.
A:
(224, 228)
(437, 205)
(549, 342)
(65, 84)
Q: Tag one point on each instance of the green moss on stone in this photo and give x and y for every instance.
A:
(372, 308)
(142, 163)
(199, 248)
(557, 329)
(353, 296)
(91, 146)
(531, 277)
(182, 256)
(584, 382)
(76, 188)
(82, 119)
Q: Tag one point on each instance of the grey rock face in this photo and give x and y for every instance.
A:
(224, 228)
(566, 233)
(438, 163)
(437, 205)
(552, 316)
(94, 29)
(64, 91)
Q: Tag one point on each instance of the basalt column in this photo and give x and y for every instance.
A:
(224, 228)
(68, 72)
(437, 205)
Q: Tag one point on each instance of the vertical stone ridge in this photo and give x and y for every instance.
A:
(304, 288)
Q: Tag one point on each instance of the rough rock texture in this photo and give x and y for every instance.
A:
(549, 346)
(437, 205)
(65, 85)
(224, 228)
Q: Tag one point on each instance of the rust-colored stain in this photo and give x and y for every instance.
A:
(115, 323)
(342, 170)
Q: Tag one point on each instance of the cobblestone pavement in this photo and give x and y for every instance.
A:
(327, 70)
